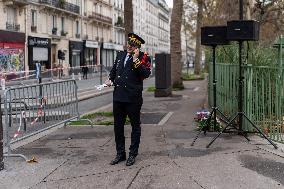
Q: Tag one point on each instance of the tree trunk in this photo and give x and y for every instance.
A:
(128, 18)
(197, 61)
(175, 38)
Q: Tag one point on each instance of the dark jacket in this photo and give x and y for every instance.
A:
(128, 80)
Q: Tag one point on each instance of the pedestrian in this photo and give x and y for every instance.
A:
(85, 70)
(130, 68)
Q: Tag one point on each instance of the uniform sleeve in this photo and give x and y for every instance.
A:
(112, 73)
(143, 67)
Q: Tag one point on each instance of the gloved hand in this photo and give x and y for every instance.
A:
(108, 82)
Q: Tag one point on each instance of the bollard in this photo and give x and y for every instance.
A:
(1, 141)
(79, 76)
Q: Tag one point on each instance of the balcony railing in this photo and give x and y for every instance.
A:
(12, 26)
(62, 4)
(101, 18)
(16, 2)
(54, 31)
(33, 28)
(64, 33)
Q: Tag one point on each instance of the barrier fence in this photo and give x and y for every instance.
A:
(263, 96)
(93, 71)
(28, 110)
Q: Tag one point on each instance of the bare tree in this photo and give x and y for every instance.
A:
(128, 17)
(175, 38)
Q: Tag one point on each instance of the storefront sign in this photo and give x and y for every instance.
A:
(12, 45)
(92, 44)
(12, 37)
(36, 41)
(119, 47)
(108, 46)
(76, 45)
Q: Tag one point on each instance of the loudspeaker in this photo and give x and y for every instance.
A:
(214, 35)
(243, 30)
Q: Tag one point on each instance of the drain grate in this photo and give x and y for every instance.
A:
(152, 117)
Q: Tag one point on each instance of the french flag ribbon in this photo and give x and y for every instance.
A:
(18, 132)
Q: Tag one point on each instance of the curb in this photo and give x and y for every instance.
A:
(88, 96)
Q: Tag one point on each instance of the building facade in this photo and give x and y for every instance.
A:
(12, 36)
(151, 20)
(48, 26)
(152, 29)
(98, 32)
(164, 27)
(88, 32)
(118, 23)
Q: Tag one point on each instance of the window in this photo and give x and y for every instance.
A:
(40, 54)
(85, 6)
(54, 21)
(34, 18)
(77, 27)
(11, 15)
(62, 24)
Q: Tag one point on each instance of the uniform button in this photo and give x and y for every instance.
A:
(118, 76)
(117, 85)
(125, 86)
(126, 77)
(131, 69)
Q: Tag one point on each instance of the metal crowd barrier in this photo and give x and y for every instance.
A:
(29, 110)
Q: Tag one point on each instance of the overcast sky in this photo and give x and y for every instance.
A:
(170, 3)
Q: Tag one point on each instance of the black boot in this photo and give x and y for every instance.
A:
(118, 159)
(130, 161)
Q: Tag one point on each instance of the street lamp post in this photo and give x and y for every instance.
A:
(101, 64)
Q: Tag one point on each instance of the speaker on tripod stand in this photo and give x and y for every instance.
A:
(213, 36)
(242, 30)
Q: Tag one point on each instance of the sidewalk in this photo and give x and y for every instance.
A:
(78, 157)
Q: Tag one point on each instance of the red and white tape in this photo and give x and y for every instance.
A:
(40, 112)
(18, 132)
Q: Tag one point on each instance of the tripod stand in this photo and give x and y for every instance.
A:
(215, 109)
(240, 114)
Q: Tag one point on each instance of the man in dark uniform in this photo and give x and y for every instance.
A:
(129, 70)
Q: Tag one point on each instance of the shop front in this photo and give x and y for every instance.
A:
(117, 49)
(12, 53)
(75, 56)
(91, 54)
(39, 51)
(108, 55)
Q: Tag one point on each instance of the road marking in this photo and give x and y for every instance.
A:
(196, 89)
(166, 118)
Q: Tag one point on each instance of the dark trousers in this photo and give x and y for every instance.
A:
(120, 111)
(85, 75)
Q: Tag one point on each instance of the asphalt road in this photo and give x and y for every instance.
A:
(94, 103)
